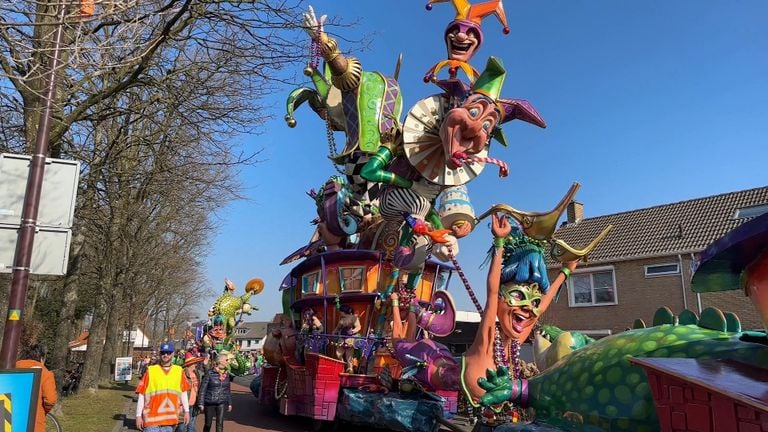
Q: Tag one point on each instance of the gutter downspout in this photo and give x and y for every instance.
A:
(682, 280)
(698, 295)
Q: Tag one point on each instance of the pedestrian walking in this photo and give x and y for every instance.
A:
(162, 393)
(215, 394)
(193, 371)
(33, 356)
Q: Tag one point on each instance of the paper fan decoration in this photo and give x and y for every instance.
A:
(424, 149)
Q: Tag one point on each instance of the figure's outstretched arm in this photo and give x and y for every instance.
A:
(375, 170)
(397, 324)
(485, 336)
(345, 71)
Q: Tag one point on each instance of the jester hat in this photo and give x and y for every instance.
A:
(489, 84)
(470, 16)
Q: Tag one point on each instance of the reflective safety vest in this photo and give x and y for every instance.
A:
(162, 398)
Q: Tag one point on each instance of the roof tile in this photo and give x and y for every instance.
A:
(685, 226)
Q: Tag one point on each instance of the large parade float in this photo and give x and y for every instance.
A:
(370, 292)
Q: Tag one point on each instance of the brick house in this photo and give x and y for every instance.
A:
(645, 262)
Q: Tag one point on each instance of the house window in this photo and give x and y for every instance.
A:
(596, 288)
(310, 283)
(351, 278)
(750, 212)
(662, 270)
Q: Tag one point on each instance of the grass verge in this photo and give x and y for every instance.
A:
(95, 411)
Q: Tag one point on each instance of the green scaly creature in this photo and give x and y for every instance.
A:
(596, 388)
(228, 305)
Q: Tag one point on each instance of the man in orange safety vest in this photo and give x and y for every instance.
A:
(162, 390)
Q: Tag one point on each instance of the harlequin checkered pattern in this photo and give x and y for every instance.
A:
(362, 190)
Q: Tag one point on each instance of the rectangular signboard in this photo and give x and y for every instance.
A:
(57, 197)
(19, 389)
(123, 368)
(50, 251)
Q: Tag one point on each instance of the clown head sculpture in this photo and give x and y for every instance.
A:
(468, 128)
(463, 35)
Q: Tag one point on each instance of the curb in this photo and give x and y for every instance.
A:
(120, 423)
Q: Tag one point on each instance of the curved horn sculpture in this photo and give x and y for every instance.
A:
(540, 226)
(564, 253)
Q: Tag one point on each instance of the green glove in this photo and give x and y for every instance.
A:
(498, 386)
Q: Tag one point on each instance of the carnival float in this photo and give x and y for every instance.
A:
(370, 291)
(217, 336)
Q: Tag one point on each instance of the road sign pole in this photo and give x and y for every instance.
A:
(23, 259)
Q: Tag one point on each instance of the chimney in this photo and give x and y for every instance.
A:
(575, 212)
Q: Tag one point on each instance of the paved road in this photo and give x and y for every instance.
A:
(249, 416)
(246, 415)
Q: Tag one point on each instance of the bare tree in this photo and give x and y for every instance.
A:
(151, 93)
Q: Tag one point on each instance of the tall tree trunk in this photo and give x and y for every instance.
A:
(69, 323)
(110, 344)
(97, 333)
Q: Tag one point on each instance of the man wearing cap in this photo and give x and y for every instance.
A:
(162, 390)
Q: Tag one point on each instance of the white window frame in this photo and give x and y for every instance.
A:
(363, 278)
(666, 273)
(590, 271)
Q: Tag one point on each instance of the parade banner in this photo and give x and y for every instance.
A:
(123, 368)
(18, 399)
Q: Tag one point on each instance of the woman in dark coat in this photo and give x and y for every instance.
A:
(215, 394)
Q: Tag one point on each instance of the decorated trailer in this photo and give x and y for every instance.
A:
(334, 355)
(359, 309)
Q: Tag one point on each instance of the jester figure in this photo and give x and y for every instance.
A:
(443, 143)
(365, 105)
(518, 288)
(463, 36)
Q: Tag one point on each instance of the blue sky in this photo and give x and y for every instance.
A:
(646, 102)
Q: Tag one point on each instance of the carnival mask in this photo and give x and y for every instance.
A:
(518, 309)
(523, 295)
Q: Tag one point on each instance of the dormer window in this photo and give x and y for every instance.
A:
(751, 212)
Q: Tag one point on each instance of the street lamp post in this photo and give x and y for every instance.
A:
(23, 258)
